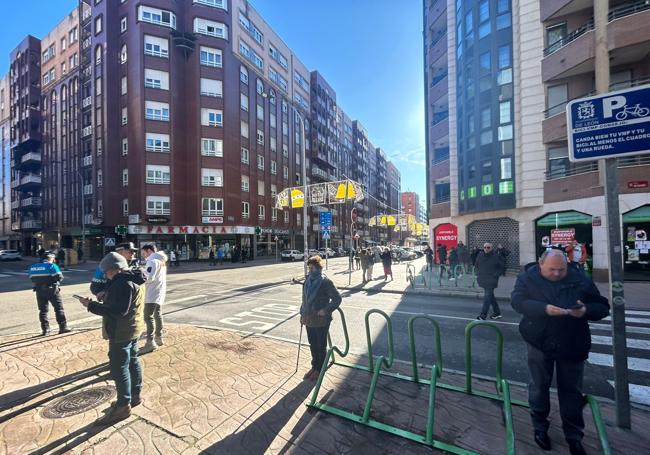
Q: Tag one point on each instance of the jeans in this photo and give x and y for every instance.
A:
(152, 314)
(317, 337)
(44, 297)
(569, 388)
(489, 300)
(125, 370)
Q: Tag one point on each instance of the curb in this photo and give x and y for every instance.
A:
(474, 295)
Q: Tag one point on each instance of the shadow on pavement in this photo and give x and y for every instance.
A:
(69, 441)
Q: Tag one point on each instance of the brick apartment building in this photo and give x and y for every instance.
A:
(178, 120)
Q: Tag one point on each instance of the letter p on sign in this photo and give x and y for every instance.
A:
(611, 104)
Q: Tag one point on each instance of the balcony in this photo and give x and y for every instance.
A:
(550, 9)
(437, 50)
(438, 87)
(28, 182)
(15, 226)
(440, 208)
(554, 128)
(440, 128)
(87, 131)
(570, 55)
(318, 172)
(31, 203)
(31, 225)
(15, 205)
(87, 161)
(628, 31)
(29, 161)
(88, 189)
(86, 102)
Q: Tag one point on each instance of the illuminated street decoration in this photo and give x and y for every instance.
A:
(320, 194)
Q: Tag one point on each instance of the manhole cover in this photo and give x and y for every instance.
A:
(79, 402)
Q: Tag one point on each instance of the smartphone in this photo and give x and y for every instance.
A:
(78, 297)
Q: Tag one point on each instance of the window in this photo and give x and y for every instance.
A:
(156, 142)
(274, 167)
(555, 35)
(123, 54)
(506, 187)
(125, 116)
(504, 112)
(301, 81)
(156, 111)
(278, 56)
(243, 74)
(98, 54)
(558, 162)
(156, 79)
(63, 44)
(272, 120)
(223, 4)
(212, 177)
(245, 156)
(260, 162)
(259, 86)
(504, 57)
(556, 99)
(484, 11)
(286, 217)
(250, 55)
(298, 219)
(274, 190)
(211, 87)
(211, 206)
(125, 207)
(285, 128)
(73, 60)
(156, 46)
(261, 191)
(125, 177)
(505, 132)
(211, 117)
(245, 210)
(210, 28)
(274, 214)
(157, 16)
(123, 85)
(73, 35)
(64, 68)
(285, 172)
(275, 77)
(260, 112)
(260, 137)
(98, 25)
(503, 21)
(158, 205)
(245, 183)
(125, 146)
(285, 150)
(506, 168)
(486, 137)
(98, 86)
(504, 76)
(274, 144)
(244, 129)
(100, 178)
(261, 212)
(158, 174)
(486, 118)
(484, 29)
(250, 28)
(484, 63)
(503, 6)
(123, 24)
(210, 56)
(211, 147)
(243, 101)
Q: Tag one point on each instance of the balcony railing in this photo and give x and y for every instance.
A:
(438, 78)
(628, 161)
(31, 224)
(87, 160)
(31, 156)
(627, 9)
(87, 131)
(15, 183)
(15, 226)
(87, 101)
(629, 83)
(88, 189)
(442, 199)
(15, 205)
(440, 155)
(34, 201)
(574, 35)
(569, 171)
(30, 178)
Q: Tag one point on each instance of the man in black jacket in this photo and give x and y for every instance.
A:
(489, 266)
(557, 302)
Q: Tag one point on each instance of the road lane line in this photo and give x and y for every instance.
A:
(631, 342)
(607, 360)
(185, 299)
(638, 393)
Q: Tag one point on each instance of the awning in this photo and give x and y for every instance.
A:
(564, 219)
(640, 215)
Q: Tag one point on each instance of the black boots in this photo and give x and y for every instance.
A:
(64, 329)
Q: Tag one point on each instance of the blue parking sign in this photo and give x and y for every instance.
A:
(325, 221)
(610, 125)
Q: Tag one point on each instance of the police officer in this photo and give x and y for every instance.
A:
(99, 280)
(46, 277)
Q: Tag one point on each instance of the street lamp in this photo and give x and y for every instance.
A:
(83, 211)
(304, 182)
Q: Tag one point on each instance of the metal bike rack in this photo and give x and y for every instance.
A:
(379, 366)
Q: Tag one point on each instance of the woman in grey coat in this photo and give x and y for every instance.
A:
(319, 300)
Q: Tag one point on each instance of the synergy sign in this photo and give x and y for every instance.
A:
(609, 125)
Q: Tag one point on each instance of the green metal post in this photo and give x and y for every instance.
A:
(436, 333)
(600, 425)
(507, 412)
(468, 353)
(389, 328)
(345, 335)
(435, 374)
(321, 376)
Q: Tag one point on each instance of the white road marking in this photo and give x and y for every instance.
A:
(185, 299)
(607, 360)
(627, 320)
(631, 342)
(638, 393)
(638, 313)
(628, 329)
(3, 276)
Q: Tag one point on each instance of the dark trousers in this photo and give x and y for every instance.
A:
(44, 297)
(489, 300)
(153, 320)
(317, 337)
(569, 387)
(125, 369)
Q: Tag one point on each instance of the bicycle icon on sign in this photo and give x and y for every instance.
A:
(634, 111)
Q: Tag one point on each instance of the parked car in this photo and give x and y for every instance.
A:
(313, 252)
(405, 255)
(10, 255)
(340, 252)
(291, 255)
(418, 254)
(326, 252)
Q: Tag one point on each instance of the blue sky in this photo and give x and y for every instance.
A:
(370, 51)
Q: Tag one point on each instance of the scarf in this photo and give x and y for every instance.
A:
(313, 283)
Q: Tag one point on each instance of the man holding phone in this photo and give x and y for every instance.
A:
(557, 303)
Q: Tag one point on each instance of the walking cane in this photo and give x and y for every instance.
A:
(299, 345)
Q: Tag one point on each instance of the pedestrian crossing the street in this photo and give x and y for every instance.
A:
(638, 347)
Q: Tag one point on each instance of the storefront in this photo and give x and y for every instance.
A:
(561, 228)
(194, 242)
(267, 245)
(636, 228)
(445, 234)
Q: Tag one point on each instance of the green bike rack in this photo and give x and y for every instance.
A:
(377, 367)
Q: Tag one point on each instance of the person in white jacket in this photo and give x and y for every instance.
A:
(155, 272)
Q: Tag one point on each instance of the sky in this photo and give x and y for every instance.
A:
(370, 52)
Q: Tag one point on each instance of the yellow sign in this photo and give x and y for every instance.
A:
(418, 229)
(382, 220)
(390, 220)
(341, 191)
(297, 198)
(373, 221)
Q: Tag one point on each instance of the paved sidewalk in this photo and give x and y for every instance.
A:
(636, 293)
(216, 392)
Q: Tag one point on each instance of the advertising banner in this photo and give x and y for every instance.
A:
(562, 236)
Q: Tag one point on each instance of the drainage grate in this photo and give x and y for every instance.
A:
(79, 402)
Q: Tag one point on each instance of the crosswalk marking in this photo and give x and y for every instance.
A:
(628, 329)
(607, 360)
(631, 342)
(3, 276)
(635, 320)
(638, 393)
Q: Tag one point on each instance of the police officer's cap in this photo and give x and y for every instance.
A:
(126, 246)
(48, 255)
